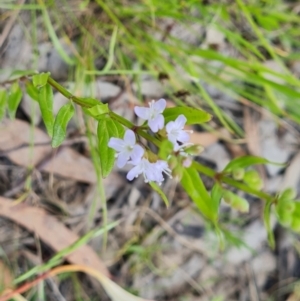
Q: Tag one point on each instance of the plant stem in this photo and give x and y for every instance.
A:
(89, 102)
(213, 174)
(83, 102)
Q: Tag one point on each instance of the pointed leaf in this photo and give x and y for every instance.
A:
(194, 187)
(3, 100)
(193, 115)
(216, 195)
(14, 98)
(295, 224)
(16, 74)
(46, 107)
(40, 80)
(160, 192)
(267, 222)
(166, 148)
(32, 91)
(62, 119)
(98, 110)
(245, 161)
(107, 128)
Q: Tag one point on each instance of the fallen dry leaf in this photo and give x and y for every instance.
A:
(251, 132)
(70, 164)
(15, 137)
(52, 232)
(205, 139)
(292, 174)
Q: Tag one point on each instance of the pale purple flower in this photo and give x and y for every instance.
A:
(176, 132)
(162, 167)
(187, 162)
(153, 114)
(142, 167)
(152, 172)
(126, 148)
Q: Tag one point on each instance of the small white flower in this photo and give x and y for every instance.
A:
(162, 167)
(187, 162)
(152, 172)
(126, 148)
(181, 148)
(142, 167)
(175, 131)
(153, 114)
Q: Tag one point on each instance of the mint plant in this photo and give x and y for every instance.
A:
(146, 162)
(122, 142)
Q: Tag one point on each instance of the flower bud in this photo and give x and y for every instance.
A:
(173, 162)
(284, 210)
(151, 156)
(286, 206)
(238, 174)
(177, 172)
(253, 179)
(162, 133)
(295, 225)
(240, 204)
(285, 218)
(288, 194)
(228, 197)
(290, 206)
(194, 150)
(235, 201)
(187, 162)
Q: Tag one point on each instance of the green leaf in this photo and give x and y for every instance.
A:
(40, 80)
(3, 100)
(216, 195)
(62, 119)
(245, 161)
(160, 192)
(90, 102)
(267, 222)
(98, 110)
(166, 148)
(193, 185)
(14, 98)
(46, 107)
(193, 115)
(107, 128)
(16, 74)
(295, 224)
(55, 40)
(32, 91)
(288, 194)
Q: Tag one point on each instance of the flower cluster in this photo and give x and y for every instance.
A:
(144, 162)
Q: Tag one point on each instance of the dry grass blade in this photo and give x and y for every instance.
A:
(6, 277)
(115, 292)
